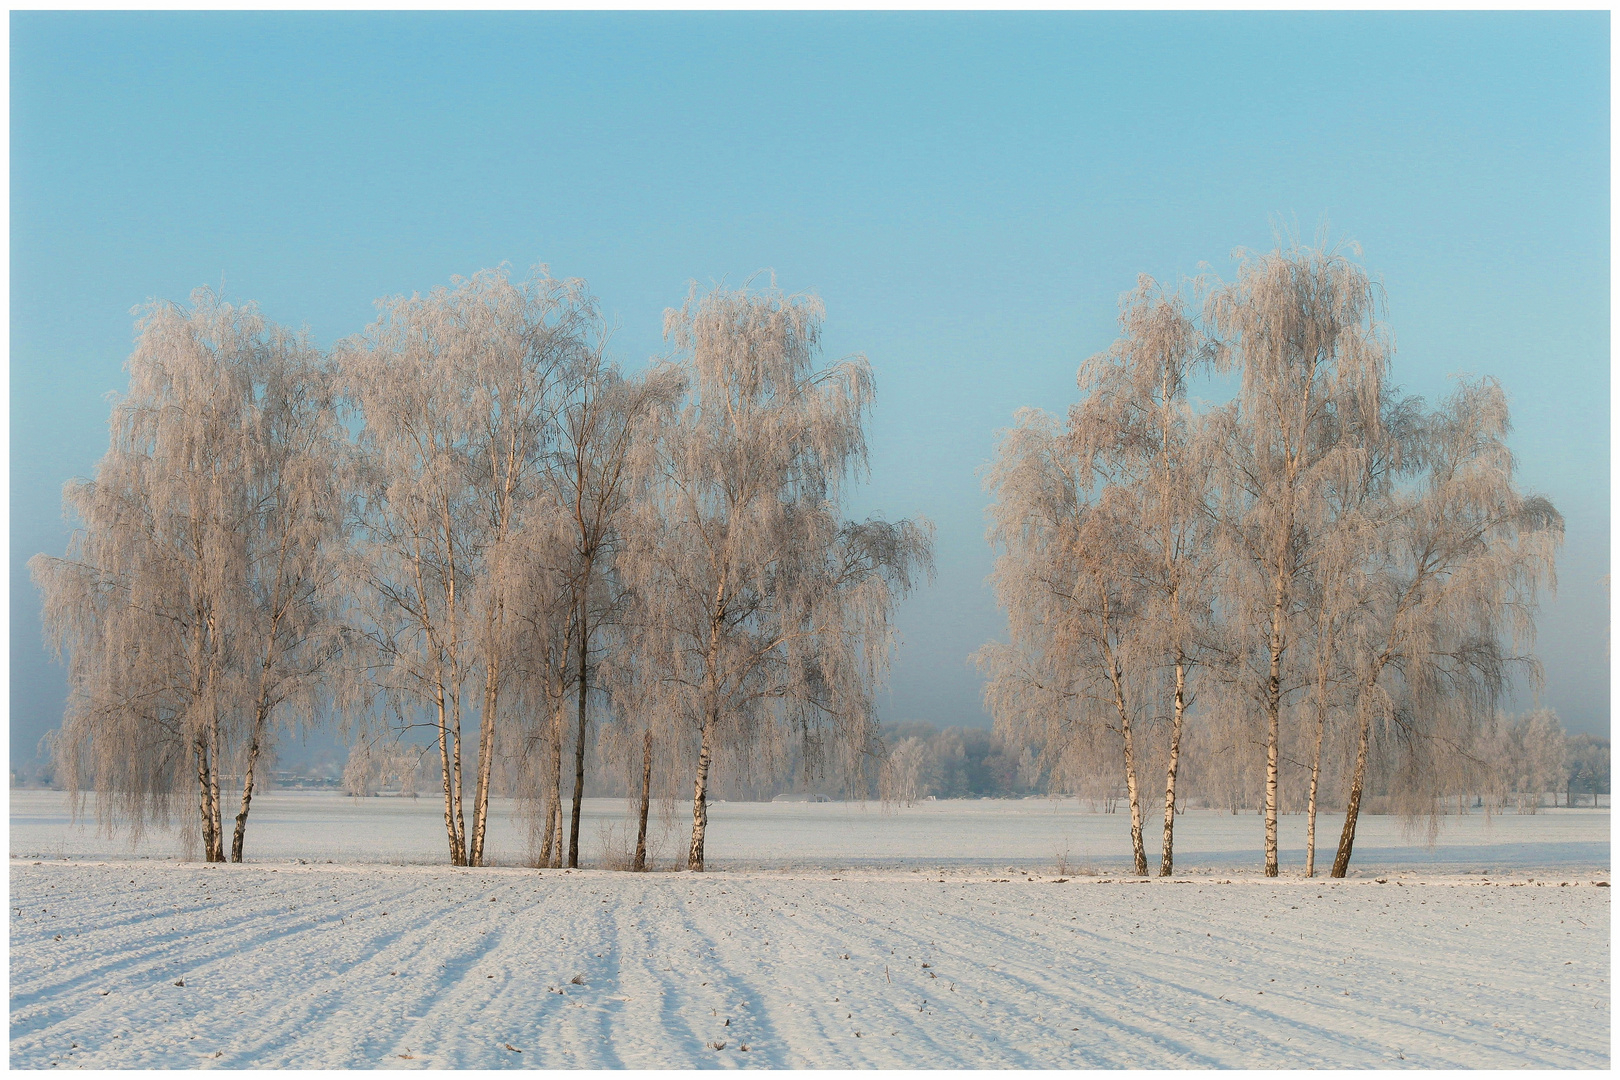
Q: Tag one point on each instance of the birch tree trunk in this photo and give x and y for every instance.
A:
(255, 741)
(1347, 836)
(700, 794)
(1273, 726)
(1316, 773)
(1138, 851)
(450, 795)
(455, 764)
(545, 841)
(200, 751)
(1352, 810)
(458, 834)
(646, 799)
(216, 852)
(1167, 855)
(486, 760)
(554, 835)
(579, 744)
(261, 716)
(548, 786)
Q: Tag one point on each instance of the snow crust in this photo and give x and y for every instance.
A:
(807, 948)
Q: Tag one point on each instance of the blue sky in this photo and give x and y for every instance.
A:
(970, 194)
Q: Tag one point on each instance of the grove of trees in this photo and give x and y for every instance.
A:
(1338, 576)
(1243, 570)
(467, 519)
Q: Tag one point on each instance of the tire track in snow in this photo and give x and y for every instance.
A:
(846, 922)
(312, 966)
(741, 974)
(142, 963)
(156, 957)
(1020, 969)
(581, 1032)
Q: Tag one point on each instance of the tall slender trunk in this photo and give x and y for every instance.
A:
(554, 814)
(1172, 582)
(1273, 724)
(547, 795)
(700, 792)
(646, 800)
(1272, 735)
(199, 740)
(214, 846)
(456, 853)
(557, 829)
(492, 665)
(1138, 850)
(261, 718)
(255, 741)
(1166, 856)
(200, 751)
(1276, 641)
(452, 643)
(1347, 836)
(216, 852)
(455, 764)
(1316, 773)
(1131, 787)
(711, 719)
(579, 744)
(486, 761)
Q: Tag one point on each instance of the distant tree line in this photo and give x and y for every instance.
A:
(1318, 586)
(1586, 766)
(1527, 762)
(1524, 762)
(468, 521)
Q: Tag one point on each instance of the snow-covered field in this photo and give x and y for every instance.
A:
(830, 935)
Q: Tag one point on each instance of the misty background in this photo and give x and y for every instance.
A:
(969, 194)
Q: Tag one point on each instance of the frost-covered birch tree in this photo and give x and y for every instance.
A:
(608, 429)
(1354, 514)
(193, 604)
(646, 738)
(1135, 432)
(298, 494)
(459, 392)
(1461, 559)
(543, 628)
(1301, 325)
(758, 608)
(1074, 665)
(1104, 568)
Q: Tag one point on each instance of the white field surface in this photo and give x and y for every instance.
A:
(807, 943)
